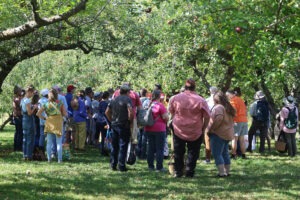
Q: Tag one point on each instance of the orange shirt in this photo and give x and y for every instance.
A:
(240, 108)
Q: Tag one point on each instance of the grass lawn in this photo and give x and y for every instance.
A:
(87, 176)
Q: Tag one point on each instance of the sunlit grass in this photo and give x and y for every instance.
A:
(87, 176)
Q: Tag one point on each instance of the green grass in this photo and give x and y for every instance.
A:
(87, 176)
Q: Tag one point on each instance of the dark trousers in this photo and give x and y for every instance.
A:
(263, 128)
(120, 140)
(101, 130)
(193, 150)
(18, 137)
(291, 143)
(142, 144)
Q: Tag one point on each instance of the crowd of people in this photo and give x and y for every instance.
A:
(110, 121)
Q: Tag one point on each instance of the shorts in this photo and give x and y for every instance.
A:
(240, 129)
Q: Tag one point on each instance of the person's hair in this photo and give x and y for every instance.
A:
(123, 91)
(29, 88)
(35, 98)
(17, 90)
(52, 95)
(190, 84)
(231, 92)
(238, 91)
(81, 93)
(221, 98)
(143, 92)
(155, 95)
(105, 95)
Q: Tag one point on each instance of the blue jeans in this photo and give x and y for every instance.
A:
(219, 149)
(156, 142)
(120, 140)
(54, 145)
(42, 136)
(18, 137)
(28, 136)
(50, 138)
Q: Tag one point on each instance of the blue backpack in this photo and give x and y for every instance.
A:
(262, 111)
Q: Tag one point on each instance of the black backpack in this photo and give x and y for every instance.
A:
(291, 121)
(262, 111)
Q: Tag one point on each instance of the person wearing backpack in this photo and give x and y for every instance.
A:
(156, 133)
(259, 111)
(289, 123)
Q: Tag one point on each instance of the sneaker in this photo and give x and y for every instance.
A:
(207, 161)
(176, 175)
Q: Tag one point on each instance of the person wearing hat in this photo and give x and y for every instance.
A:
(289, 123)
(43, 100)
(259, 111)
(190, 114)
(120, 113)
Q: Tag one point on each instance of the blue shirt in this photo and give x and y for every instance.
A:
(69, 97)
(80, 114)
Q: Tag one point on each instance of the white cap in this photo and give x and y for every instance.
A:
(44, 92)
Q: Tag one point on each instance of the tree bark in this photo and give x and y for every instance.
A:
(5, 122)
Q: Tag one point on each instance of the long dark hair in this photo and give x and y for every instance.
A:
(221, 98)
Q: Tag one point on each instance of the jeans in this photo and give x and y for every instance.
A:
(28, 136)
(156, 142)
(42, 136)
(263, 128)
(18, 137)
(291, 143)
(120, 141)
(219, 149)
(36, 123)
(50, 138)
(193, 148)
(142, 144)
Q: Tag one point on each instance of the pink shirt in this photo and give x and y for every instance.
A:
(188, 110)
(135, 99)
(284, 113)
(158, 109)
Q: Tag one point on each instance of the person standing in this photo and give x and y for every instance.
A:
(70, 127)
(55, 111)
(259, 110)
(240, 123)
(156, 133)
(210, 102)
(190, 115)
(89, 94)
(120, 113)
(43, 100)
(288, 124)
(17, 117)
(220, 130)
(27, 123)
(79, 116)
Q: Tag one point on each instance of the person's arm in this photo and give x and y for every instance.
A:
(29, 110)
(108, 113)
(63, 111)
(39, 113)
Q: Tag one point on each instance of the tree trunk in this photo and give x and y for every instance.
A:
(10, 117)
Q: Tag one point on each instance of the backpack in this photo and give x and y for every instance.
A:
(145, 117)
(262, 111)
(291, 121)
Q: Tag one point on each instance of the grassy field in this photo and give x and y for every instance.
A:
(87, 176)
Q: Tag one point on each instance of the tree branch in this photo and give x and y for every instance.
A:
(38, 22)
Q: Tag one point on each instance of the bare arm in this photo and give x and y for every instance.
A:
(29, 110)
(108, 113)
